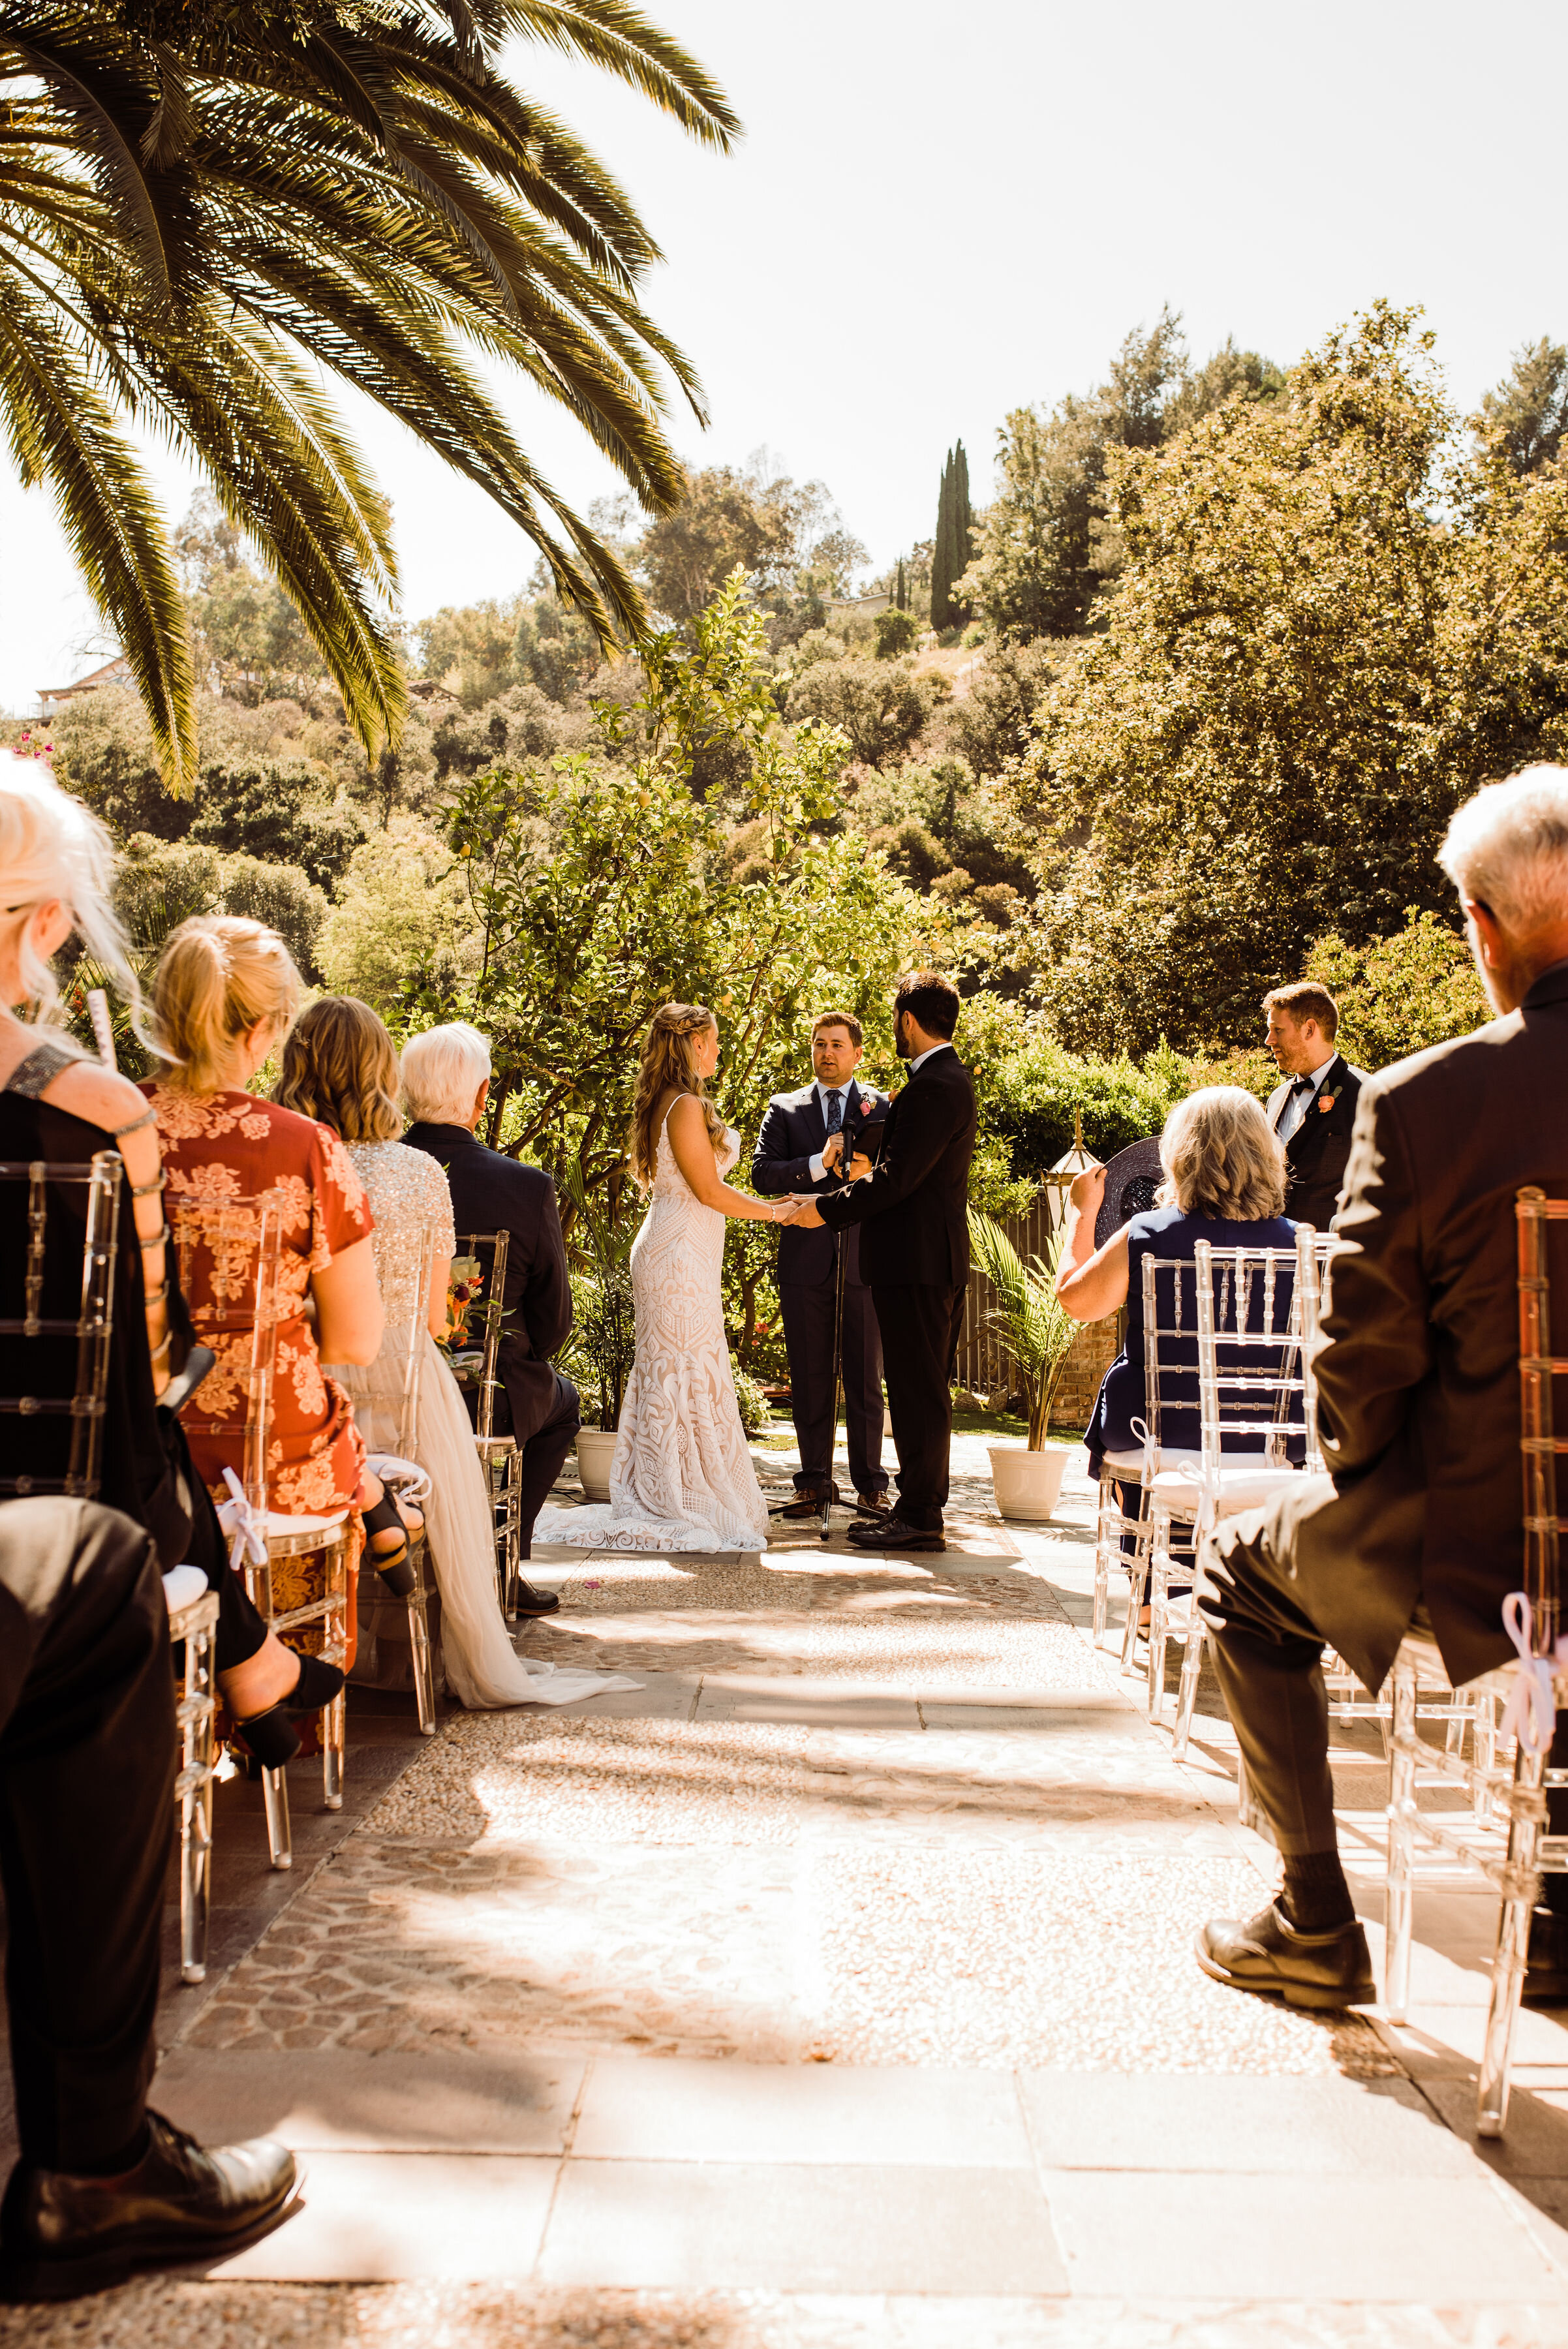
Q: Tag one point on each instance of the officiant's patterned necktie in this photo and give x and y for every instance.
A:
(834, 1111)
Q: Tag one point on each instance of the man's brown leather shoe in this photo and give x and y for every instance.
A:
(892, 1533)
(1313, 1970)
(61, 2236)
(806, 1503)
(873, 1505)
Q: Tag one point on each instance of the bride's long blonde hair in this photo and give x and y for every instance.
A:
(667, 1067)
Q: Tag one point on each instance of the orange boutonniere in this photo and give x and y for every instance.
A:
(1326, 1101)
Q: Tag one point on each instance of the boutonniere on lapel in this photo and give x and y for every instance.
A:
(1326, 1100)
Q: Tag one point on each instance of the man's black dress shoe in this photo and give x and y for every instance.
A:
(61, 2236)
(892, 1533)
(1546, 1962)
(526, 1600)
(806, 1503)
(1268, 1955)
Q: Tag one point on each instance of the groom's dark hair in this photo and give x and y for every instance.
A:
(931, 1000)
(837, 1019)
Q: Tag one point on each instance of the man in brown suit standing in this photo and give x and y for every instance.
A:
(1418, 1399)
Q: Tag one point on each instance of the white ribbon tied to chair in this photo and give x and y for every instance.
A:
(1530, 1712)
(244, 1525)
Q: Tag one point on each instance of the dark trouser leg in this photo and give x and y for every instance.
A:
(862, 1389)
(88, 1757)
(542, 1457)
(921, 1326)
(807, 1308)
(1268, 1654)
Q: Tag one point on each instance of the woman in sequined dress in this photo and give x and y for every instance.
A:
(339, 1067)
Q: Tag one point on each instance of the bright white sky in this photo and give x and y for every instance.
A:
(941, 212)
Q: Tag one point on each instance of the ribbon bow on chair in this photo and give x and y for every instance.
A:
(1530, 1712)
(244, 1525)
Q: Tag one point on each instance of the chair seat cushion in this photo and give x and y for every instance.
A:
(183, 1584)
(1123, 1464)
(280, 1527)
(1241, 1487)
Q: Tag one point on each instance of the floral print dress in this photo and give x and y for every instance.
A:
(229, 1145)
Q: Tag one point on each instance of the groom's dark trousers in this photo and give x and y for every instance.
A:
(793, 1132)
(88, 1757)
(913, 1215)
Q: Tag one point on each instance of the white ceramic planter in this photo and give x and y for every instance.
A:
(1027, 1484)
(596, 1450)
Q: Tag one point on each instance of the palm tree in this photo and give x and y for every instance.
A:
(211, 208)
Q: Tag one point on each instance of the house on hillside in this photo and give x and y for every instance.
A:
(53, 699)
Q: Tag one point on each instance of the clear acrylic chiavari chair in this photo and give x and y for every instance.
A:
(498, 1455)
(230, 1250)
(39, 1345)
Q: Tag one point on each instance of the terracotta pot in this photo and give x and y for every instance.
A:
(595, 1451)
(1027, 1484)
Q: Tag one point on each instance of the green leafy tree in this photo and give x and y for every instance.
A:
(1401, 994)
(1333, 624)
(880, 707)
(1526, 418)
(896, 633)
(788, 537)
(207, 210)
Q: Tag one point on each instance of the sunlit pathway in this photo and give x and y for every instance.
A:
(835, 1989)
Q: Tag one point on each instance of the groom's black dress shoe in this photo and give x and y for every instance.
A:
(62, 2235)
(526, 1600)
(807, 1501)
(892, 1533)
(1267, 1954)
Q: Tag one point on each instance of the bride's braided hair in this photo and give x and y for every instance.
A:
(667, 1068)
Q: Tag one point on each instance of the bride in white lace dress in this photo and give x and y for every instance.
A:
(682, 1478)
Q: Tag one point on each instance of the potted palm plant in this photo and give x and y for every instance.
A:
(1038, 1333)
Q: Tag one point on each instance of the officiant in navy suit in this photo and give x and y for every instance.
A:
(801, 1149)
(1313, 1110)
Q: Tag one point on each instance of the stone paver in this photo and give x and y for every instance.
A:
(836, 1988)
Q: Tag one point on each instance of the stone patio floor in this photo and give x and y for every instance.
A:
(833, 1991)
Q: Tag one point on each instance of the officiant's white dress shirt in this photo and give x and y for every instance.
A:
(821, 1092)
(1297, 1104)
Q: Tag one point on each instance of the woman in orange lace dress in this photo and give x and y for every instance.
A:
(223, 996)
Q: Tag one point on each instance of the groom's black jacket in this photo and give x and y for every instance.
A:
(793, 1132)
(915, 1204)
(493, 1194)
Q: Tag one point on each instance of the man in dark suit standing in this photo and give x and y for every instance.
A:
(1417, 1385)
(1313, 1110)
(914, 1252)
(801, 1148)
(446, 1083)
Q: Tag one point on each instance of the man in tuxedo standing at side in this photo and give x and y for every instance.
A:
(801, 1147)
(914, 1251)
(1314, 1112)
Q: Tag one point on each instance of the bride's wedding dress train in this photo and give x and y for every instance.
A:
(682, 1478)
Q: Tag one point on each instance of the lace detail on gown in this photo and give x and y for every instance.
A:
(682, 1478)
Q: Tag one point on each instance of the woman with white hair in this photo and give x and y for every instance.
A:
(59, 1106)
(1225, 1183)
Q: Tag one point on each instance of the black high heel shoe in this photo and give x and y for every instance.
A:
(270, 1735)
(395, 1567)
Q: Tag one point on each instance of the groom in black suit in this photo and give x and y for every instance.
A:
(801, 1147)
(1313, 1110)
(914, 1251)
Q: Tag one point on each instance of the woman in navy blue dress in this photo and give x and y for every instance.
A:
(1225, 1183)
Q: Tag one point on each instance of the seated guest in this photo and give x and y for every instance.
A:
(1225, 1183)
(59, 1106)
(339, 1067)
(446, 1085)
(1420, 1513)
(88, 1749)
(223, 997)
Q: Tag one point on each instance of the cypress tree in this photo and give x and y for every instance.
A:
(901, 593)
(943, 553)
(963, 522)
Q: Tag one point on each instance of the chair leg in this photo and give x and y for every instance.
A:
(420, 1646)
(1522, 1885)
(1399, 1897)
(334, 1734)
(511, 1570)
(1138, 1588)
(1158, 1611)
(279, 1835)
(1191, 1673)
(1102, 1559)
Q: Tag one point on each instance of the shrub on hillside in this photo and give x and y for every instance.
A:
(896, 633)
